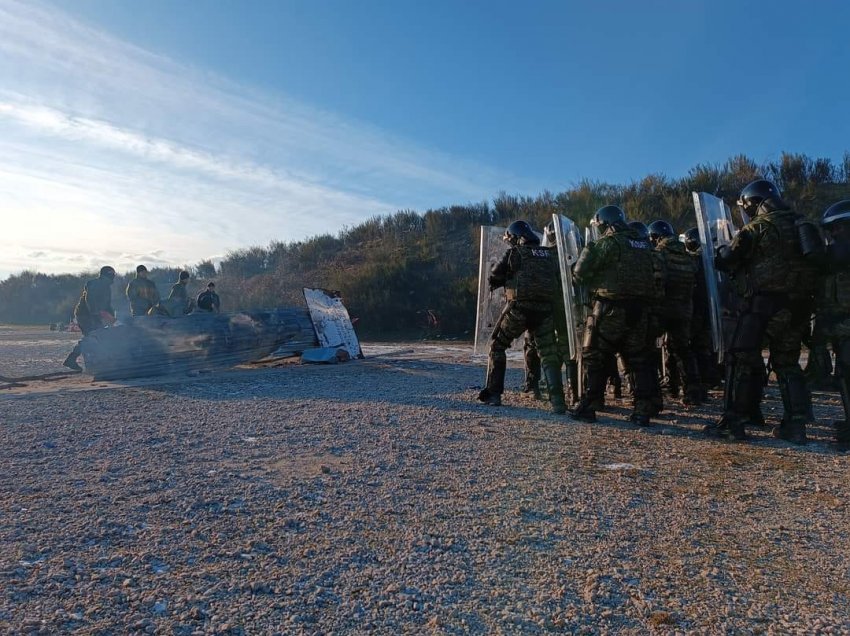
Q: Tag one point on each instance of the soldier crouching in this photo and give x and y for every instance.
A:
(529, 274)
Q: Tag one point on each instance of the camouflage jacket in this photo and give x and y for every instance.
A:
(619, 266)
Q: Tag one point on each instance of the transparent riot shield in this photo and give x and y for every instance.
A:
(490, 303)
(591, 233)
(568, 243)
(714, 221)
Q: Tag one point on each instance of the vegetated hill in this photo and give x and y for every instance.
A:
(393, 270)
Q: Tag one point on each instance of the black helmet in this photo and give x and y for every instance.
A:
(692, 242)
(836, 213)
(660, 229)
(640, 228)
(520, 233)
(107, 272)
(758, 192)
(608, 216)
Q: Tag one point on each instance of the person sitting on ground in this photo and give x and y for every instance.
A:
(208, 300)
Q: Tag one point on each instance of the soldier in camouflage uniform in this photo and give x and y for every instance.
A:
(531, 354)
(141, 292)
(680, 272)
(529, 274)
(93, 310)
(833, 306)
(768, 260)
(617, 270)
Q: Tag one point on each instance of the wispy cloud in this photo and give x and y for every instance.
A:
(107, 147)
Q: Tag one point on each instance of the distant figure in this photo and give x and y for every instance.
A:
(141, 292)
(178, 302)
(208, 300)
(93, 311)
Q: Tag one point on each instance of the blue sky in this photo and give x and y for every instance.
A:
(168, 132)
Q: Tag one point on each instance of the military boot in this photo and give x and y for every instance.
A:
(594, 389)
(795, 402)
(556, 389)
(492, 393)
(71, 360)
(730, 426)
(842, 427)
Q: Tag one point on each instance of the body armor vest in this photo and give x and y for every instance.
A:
(679, 268)
(536, 275)
(777, 265)
(633, 275)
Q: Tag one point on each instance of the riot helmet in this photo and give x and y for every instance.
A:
(660, 229)
(107, 272)
(609, 216)
(757, 193)
(836, 213)
(692, 242)
(520, 233)
(640, 228)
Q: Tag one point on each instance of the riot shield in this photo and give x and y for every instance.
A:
(714, 221)
(490, 303)
(591, 233)
(568, 243)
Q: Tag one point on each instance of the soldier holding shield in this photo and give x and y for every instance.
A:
(768, 256)
(529, 274)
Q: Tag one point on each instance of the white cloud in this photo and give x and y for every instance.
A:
(107, 147)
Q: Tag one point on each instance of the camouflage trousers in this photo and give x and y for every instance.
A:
(780, 326)
(618, 327)
(517, 317)
(675, 322)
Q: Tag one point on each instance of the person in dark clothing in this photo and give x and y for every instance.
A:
(529, 274)
(141, 292)
(93, 310)
(178, 302)
(768, 256)
(681, 270)
(208, 300)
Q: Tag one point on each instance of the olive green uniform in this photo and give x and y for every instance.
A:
(142, 295)
(95, 300)
(680, 277)
(619, 274)
(778, 285)
(529, 274)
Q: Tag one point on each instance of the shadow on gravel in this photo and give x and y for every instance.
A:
(452, 388)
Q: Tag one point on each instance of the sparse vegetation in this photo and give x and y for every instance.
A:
(393, 270)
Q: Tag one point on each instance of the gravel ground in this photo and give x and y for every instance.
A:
(378, 496)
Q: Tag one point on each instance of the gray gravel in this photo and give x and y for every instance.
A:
(378, 496)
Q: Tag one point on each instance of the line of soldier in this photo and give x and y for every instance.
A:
(644, 282)
(94, 309)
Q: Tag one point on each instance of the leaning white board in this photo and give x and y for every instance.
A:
(331, 320)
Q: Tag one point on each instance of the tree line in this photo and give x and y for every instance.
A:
(399, 272)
